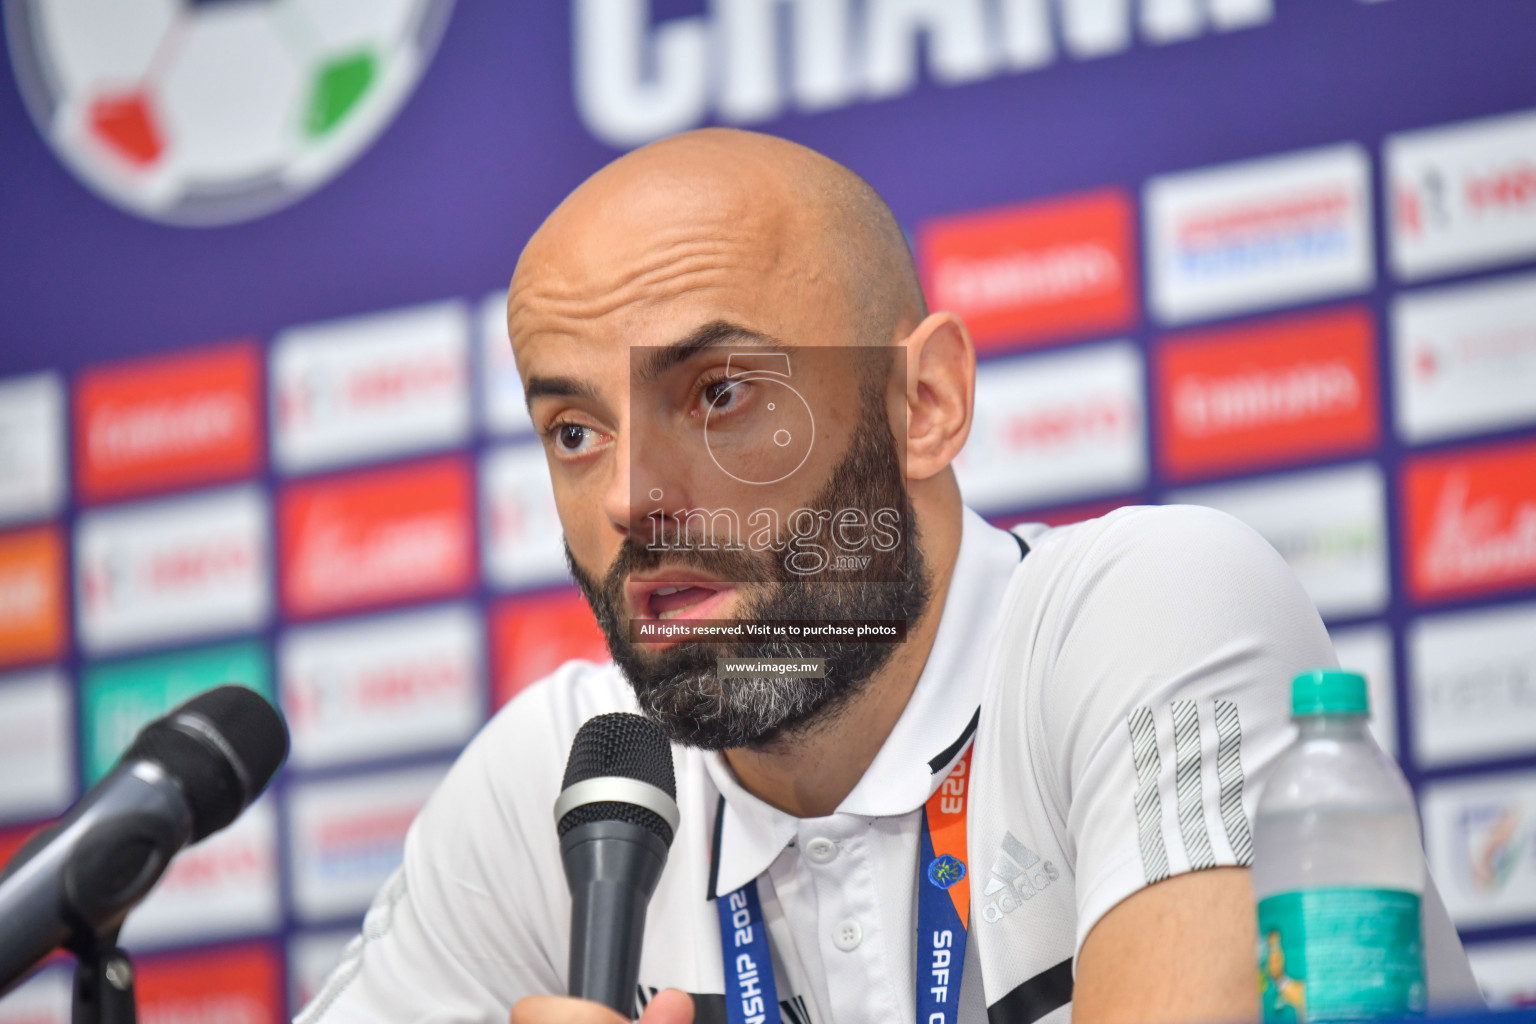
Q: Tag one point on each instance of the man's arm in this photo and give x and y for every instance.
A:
(1178, 951)
(1163, 700)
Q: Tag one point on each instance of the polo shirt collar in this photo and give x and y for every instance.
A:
(930, 734)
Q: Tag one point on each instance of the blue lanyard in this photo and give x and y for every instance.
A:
(943, 912)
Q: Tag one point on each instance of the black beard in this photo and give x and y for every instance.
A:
(678, 686)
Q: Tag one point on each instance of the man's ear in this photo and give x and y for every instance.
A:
(941, 393)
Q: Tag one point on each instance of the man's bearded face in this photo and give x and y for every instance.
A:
(678, 686)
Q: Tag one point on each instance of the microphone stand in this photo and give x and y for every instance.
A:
(103, 982)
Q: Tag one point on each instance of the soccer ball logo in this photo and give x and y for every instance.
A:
(212, 113)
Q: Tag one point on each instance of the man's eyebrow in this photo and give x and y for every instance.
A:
(651, 363)
(559, 387)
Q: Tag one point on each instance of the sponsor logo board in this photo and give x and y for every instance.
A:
(533, 636)
(118, 698)
(45, 998)
(346, 836)
(222, 887)
(1329, 525)
(311, 959)
(1479, 833)
(1056, 427)
(1506, 972)
(522, 541)
(1463, 196)
(1368, 650)
(1473, 679)
(1035, 271)
(1471, 521)
(396, 534)
(33, 622)
(1465, 358)
(230, 985)
(370, 387)
(168, 421)
(1259, 234)
(32, 466)
(387, 685)
(37, 775)
(172, 569)
(1267, 393)
(501, 389)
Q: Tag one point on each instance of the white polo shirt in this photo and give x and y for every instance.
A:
(1125, 684)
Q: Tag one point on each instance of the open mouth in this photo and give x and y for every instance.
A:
(678, 599)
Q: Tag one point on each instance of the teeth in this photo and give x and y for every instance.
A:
(664, 591)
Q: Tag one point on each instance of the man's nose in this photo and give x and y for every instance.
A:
(659, 490)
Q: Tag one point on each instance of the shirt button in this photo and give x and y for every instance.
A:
(821, 851)
(847, 936)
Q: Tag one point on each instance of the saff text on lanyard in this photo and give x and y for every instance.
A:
(943, 916)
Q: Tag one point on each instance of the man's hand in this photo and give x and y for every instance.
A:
(669, 1007)
(1181, 950)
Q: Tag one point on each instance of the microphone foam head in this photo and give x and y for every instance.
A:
(628, 746)
(222, 747)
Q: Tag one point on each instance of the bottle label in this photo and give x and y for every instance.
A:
(1340, 954)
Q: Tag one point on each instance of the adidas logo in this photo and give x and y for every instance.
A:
(1018, 874)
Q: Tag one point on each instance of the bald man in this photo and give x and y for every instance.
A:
(1034, 807)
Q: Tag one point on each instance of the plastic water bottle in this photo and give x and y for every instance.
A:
(1338, 869)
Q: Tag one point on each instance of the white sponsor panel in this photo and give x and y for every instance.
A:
(1506, 972)
(383, 686)
(346, 836)
(1463, 196)
(1259, 234)
(45, 998)
(1056, 427)
(173, 569)
(223, 887)
(36, 745)
(33, 470)
(1473, 679)
(1478, 833)
(1464, 358)
(501, 389)
(1368, 650)
(370, 387)
(1328, 524)
(311, 959)
(522, 542)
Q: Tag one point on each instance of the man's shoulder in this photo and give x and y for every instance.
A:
(1202, 545)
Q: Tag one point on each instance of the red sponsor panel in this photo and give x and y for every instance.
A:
(533, 636)
(397, 534)
(1267, 393)
(1471, 521)
(1031, 272)
(168, 421)
(33, 623)
(230, 985)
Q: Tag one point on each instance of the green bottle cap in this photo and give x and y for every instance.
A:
(1329, 691)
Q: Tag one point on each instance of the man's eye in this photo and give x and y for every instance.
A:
(723, 394)
(571, 436)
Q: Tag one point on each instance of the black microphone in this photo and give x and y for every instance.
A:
(185, 776)
(616, 815)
